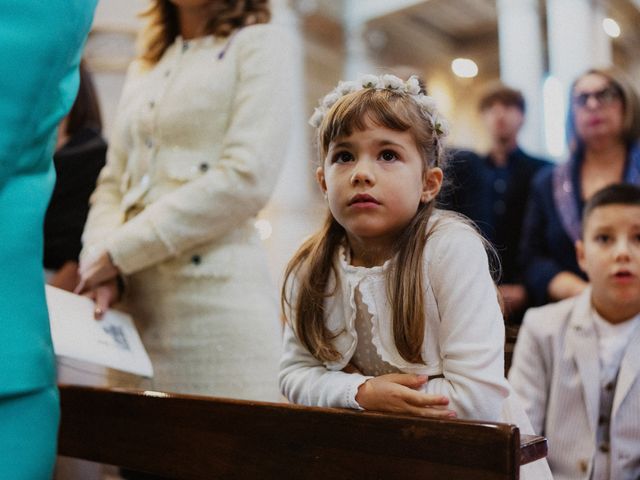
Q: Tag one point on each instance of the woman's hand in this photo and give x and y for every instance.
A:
(514, 298)
(565, 285)
(104, 295)
(397, 393)
(101, 269)
(66, 277)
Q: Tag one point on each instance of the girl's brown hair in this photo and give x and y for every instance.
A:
(314, 262)
(223, 17)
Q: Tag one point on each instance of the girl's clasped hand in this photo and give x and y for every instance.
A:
(398, 393)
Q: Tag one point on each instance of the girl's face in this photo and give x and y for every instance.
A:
(374, 181)
(597, 108)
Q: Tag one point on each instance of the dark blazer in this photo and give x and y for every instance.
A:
(77, 164)
(546, 247)
(468, 190)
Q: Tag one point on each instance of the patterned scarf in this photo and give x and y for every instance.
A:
(564, 194)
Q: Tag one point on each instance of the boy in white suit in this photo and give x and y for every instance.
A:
(576, 365)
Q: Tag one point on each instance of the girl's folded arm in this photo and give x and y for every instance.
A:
(305, 380)
(471, 330)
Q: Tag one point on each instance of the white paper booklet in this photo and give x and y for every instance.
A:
(112, 342)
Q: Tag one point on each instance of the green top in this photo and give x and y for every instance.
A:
(40, 46)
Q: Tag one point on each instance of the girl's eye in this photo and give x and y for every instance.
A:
(342, 157)
(388, 156)
(603, 238)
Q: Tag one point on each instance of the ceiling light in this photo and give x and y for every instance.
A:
(464, 67)
(611, 27)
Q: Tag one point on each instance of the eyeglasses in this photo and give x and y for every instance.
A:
(606, 96)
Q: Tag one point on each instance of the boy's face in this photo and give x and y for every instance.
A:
(610, 255)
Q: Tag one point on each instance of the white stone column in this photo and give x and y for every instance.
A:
(357, 61)
(576, 39)
(521, 63)
(295, 206)
(602, 51)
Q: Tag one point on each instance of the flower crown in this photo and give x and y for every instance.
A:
(392, 83)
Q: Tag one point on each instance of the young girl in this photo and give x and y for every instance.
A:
(391, 305)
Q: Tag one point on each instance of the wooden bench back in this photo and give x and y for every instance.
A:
(189, 437)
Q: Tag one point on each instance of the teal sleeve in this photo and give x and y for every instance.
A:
(40, 47)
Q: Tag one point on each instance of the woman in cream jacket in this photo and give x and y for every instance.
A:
(197, 145)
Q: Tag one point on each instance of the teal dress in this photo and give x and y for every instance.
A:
(40, 45)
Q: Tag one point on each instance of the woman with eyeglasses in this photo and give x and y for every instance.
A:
(603, 129)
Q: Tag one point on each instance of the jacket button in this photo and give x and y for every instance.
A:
(204, 167)
(604, 448)
(584, 466)
(196, 259)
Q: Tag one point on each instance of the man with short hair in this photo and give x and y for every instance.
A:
(492, 190)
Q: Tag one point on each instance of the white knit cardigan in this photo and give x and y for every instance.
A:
(463, 338)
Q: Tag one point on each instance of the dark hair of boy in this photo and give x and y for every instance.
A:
(616, 194)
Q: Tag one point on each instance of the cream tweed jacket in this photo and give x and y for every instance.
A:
(197, 145)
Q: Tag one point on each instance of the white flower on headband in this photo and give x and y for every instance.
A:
(345, 88)
(440, 125)
(391, 82)
(330, 99)
(412, 86)
(385, 82)
(370, 81)
(426, 102)
(316, 118)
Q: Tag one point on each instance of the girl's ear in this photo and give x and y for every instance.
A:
(321, 180)
(431, 184)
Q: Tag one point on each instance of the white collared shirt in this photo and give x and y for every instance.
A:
(612, 343)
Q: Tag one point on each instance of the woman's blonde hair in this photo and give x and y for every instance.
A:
(314, 262)
(223, 17)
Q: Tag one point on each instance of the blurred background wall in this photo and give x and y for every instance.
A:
(456, 46)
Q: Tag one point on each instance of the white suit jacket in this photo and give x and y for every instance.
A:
(555, 371)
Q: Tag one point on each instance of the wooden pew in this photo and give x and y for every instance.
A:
(198, 438)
